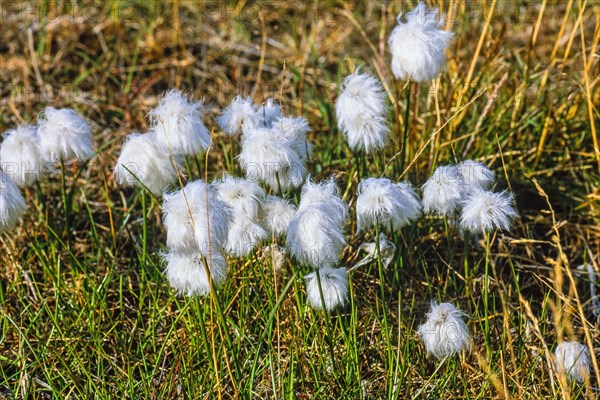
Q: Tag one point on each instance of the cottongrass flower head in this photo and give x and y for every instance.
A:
(315, 237)
(20, 155)
(64, 135)
(12, 203)
(268, 113)
(484, 211)
(444, 333)
(278, 215)
(361, 113)
(443, 191)
(276, 255)
(143, 163)
(573, 359)
(381, 201)
(387, 250)
(418, 45)
(238, 116)
(187, 273)
(244, 236)
(271, 159)
(324, 195)
(178, 124)
(476, 174)
(294, 130)
(196, 219)
(245, 197)
(334, 287)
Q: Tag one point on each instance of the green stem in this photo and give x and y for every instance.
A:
(327, 326)
(144, 225)
(406, 127)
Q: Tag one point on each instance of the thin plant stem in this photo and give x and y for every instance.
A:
(144, 225)
(406, 128)
(486, 288)
(327, 326)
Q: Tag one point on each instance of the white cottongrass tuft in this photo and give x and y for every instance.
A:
(244, 236)
(573, 359)
(278, 215)
(142, 162)
(484, 211)
(294, 130)
(269, 113)
(392, 205)
(20, 155)
(178, 124)
(315, 237)
(324, 195)
(267, 157)
(276, 255)
(476, 174)
(418, 45)
(12, 203)
(187, 272)
(244, 196)
(238, 116)
(443, 192)
(64, 135)
(361, 113)
(196, 219)
(334, 287)
(445, 333)
(386, 249)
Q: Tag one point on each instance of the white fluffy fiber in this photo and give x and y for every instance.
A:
(244, 236)
(443, 192)
(278, 215)
(245, 197)
(315, 238)
(64, 135)
(294, 130)
(573, 359)
(476, 174)
(12, 204)
(484, 211)
(444, 333)
(20, 155)
(361, 113)
(239, 115)
(187, 272)
(178, 124)
(268, 113)
(324, 195)
(141, 160)
(267, 157)
(334, 286)
(418, 45)
(392, 205)
(196, 219)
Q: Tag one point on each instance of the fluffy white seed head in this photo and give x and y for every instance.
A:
(178, 124)
(20, 155)
(294, 130)
(268, 113)
(244, 236)
(238, 116)
(243, 196)
(196, 219)
(278, 215)
(187, 273)
(418, 45)
(476, 174)
(443, 192)
(271, 159)
(64, 135)
(315, 238)
(573, 359)
(142, 162)
(334, 287)
(392, 205)
(324, 195)
(361, 113)
(484, 211)
(444, 333)
(12, 203)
